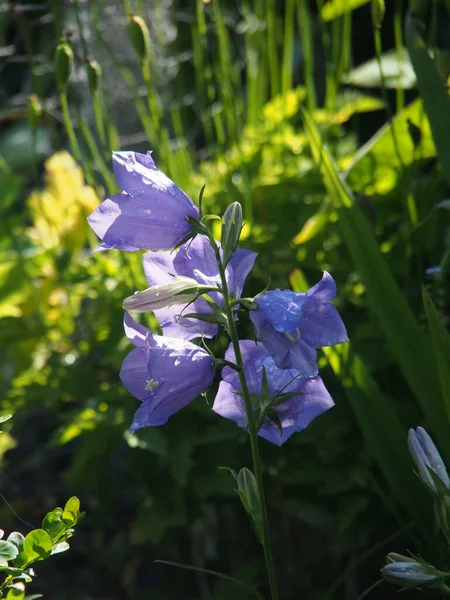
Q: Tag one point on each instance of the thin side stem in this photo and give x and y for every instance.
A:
(68, 125)
(268, 555)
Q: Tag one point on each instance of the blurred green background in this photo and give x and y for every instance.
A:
(335, 136)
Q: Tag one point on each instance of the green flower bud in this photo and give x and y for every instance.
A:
(34, 110)
(378, 10)
(231, 230)
(393, 557)
(248, 492)
(139, 37)
(94, 73)
(63, 63)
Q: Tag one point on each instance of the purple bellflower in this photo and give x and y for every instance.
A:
(292, 325)
(295, 413)
(166, 374)
(196, 260)
(150, 212)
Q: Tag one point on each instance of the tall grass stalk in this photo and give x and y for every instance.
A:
(398, 40)
(307, 42)
(288, 46)
(272, 47)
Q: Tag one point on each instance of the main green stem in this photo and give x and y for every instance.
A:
(268, 555)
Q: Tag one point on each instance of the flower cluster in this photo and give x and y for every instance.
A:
(195, 287)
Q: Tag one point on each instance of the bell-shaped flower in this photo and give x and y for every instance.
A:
(149, 214)
(195, 260)
(301, 399)
(165, 374)
(293, 325)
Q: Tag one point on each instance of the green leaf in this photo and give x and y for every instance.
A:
(8, 551)
(16, 571)
(73, 505)
(69, 518)
(4, 418)
(17, 539)
(407, 342)
(441, 347)
(16, 591)
(375, 168)
(209, 572)
(398, 73)
(314, 225)
(337, 8)
(37, 545)
(433, 92)
(53, 523)
(62, 547)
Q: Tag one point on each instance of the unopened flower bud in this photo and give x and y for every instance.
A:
(248, 492)
(393, 557)
(34, 110)
(426, 456)
(139, 37)
(94, 73)
(231, 230)
(378, 10)
(63, 63)
(410, 574)
(182, 291)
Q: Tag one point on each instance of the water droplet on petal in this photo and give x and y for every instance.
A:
(143, 211)
(176, 362)
(176, 225)
(146, 181)
(171, 190)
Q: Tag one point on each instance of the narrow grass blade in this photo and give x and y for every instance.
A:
(441, 347)
(336, 8)
(433, 92)
(215, 573)
(408, 344)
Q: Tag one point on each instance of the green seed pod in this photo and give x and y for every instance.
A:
(139, 37)
(378, 10)
(94, 73)
(63, 63)
(34, 110)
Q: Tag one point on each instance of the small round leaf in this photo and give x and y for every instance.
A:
(37, 545)
(8, 551)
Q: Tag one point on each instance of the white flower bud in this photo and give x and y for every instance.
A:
(426, 456)
(182, 291)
